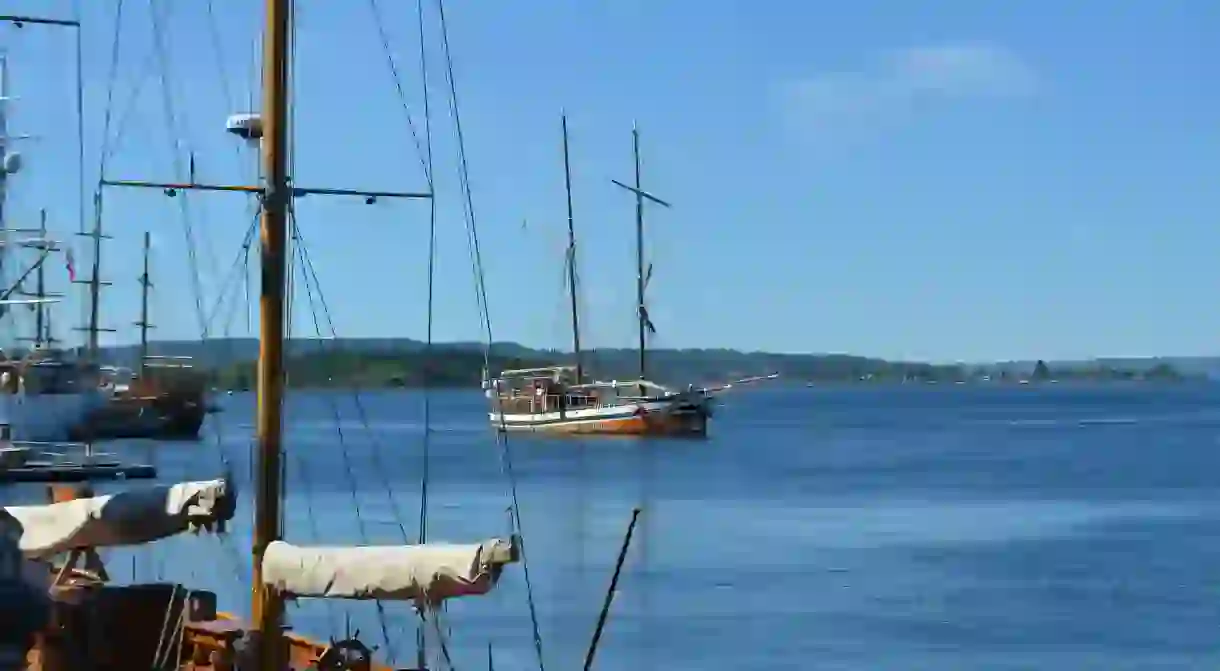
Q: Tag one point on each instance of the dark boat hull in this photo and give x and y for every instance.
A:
(167, 416)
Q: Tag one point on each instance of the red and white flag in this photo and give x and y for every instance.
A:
(71, 265)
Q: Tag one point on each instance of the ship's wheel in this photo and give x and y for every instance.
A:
(350, 654)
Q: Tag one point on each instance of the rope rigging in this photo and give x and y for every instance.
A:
(80, 117)
(175, 139)
(425, 155)
(315, 300)
(425, 158)
(111, 142)
(481, 300)
(299, 258)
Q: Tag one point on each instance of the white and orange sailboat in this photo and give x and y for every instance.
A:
(555, 400)
(560, 399)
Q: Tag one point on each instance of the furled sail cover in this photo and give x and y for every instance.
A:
(427, 573)
(130, 517)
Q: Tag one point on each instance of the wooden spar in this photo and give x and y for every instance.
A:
(268, 607)
(171, 189)
(145, 284)
(18, 20)
(567, 177)
(605, 611)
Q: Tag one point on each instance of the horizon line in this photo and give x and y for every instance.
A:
(757, 352)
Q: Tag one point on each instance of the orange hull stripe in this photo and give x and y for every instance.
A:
(648, 425)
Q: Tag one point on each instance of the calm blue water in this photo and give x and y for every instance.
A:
(865, 529)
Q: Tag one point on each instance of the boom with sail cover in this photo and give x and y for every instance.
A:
(424, 573)
(131, 517)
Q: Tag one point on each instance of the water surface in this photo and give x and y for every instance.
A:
(854, 528)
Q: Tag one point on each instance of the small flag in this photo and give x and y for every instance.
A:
(70, 264)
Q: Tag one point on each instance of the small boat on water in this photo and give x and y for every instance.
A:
(561, 399)
(554, 400)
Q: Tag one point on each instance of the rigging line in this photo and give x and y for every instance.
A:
(306, 269)
(425, 162)
(428, 344)
(313, 286)
(218, 53)
(440, 636)
(464, 180)
(113, 142)
(222, 73)
(80, 117)
(307, 489)
(175, 137)
(110, 82)
(481, 294)
(240, 263)
(426, 443)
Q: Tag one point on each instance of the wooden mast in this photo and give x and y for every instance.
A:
(92, 327)
(95, 280)
(268, 606)
(145, 285)
(567, 177)
(271, 128)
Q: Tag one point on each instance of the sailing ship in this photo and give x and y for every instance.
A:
(104, 626)
(560, 399)
(45, 393)
(165, 397)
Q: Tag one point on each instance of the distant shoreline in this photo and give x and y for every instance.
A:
(404, 363)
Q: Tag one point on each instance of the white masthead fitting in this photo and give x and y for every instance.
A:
(12, 164)
(246, 126)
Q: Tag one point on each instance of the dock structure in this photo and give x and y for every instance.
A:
(39, 462)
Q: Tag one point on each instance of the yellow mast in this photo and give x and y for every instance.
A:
(268, 607)
(271, 128)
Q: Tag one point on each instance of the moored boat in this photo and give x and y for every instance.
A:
(552, 400)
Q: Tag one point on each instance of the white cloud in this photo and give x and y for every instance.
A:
(883, 94)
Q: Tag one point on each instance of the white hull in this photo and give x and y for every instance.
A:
(667, 416)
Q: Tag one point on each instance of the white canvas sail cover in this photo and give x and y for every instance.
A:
(427, 573)
(130, 517)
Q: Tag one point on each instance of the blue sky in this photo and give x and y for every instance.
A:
(935, 180)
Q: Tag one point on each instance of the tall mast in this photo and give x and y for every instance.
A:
(641, 311)
(10, 164)
(268, 606)
(40, 317)
(95, 282)
(145, 284)
(641, 276)
(270, 128)
(567, 177)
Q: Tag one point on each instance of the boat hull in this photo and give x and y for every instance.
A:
(169, 416)
(662, 417)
